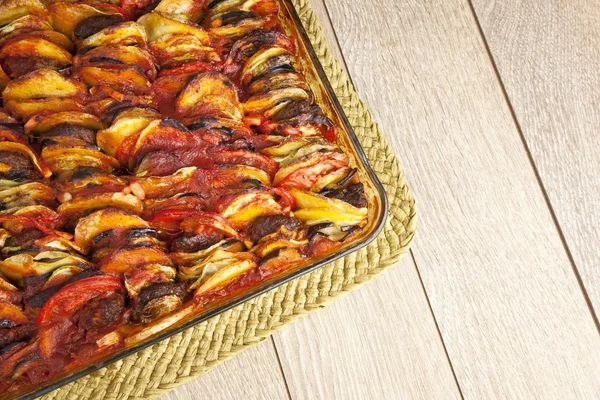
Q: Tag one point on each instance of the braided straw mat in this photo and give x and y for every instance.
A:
(160, 368)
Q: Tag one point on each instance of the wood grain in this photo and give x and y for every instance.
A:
(548, 58)
(380, 342)
(501, 286)
(255, 374)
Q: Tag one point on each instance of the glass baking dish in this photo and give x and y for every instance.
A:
(347, 140)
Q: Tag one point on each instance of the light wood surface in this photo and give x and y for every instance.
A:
(378, 343)
(489, 258)
(510, 310)
(548, 56)
(254, 374)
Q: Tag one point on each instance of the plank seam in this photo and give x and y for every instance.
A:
(287, 386)
(437, 327)
(345, 66)
(535, 170)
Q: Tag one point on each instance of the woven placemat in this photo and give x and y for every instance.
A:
(162, 367)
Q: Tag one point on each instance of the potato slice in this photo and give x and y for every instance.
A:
(331, 179)
(258, 63)
(305, 199)
(124, 259)
(183, 10)
(23, 265)
(26, 150)
(40, 124)
(12, 314)
(65, 157)
(174, 50)
(29, 108)
(234, 175)
(223, 273)
(314, 216)
(216, 261)
(114, 56)
(158, 25)
(61, 276)
(27, 23)
(44, 52)
(66, 16)
(11, 10)
(124, 34)
(124, 126)
(26, 194)
(136, 112)
(138, 278)
(43, 83)
(4, 283)
(51, 36)
(268, 104)
(239, 28)
(248, 206)
(210, 83)
(89, 204)
(104, 220)
(126, 80)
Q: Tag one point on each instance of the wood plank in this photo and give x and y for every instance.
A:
(547, 56)
(255, 373)
(501, 286)
(379, 342)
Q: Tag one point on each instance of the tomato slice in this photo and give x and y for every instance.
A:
(287, 201)
(74, 296)
(243, 157)
(169, 220)
(304, 178)
(188, 68)
(40, 222)
(331, 134)
(204, 222)
(173, 221)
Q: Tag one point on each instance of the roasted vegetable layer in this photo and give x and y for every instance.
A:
(155, 156)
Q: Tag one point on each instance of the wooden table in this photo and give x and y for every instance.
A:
(494, 110)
